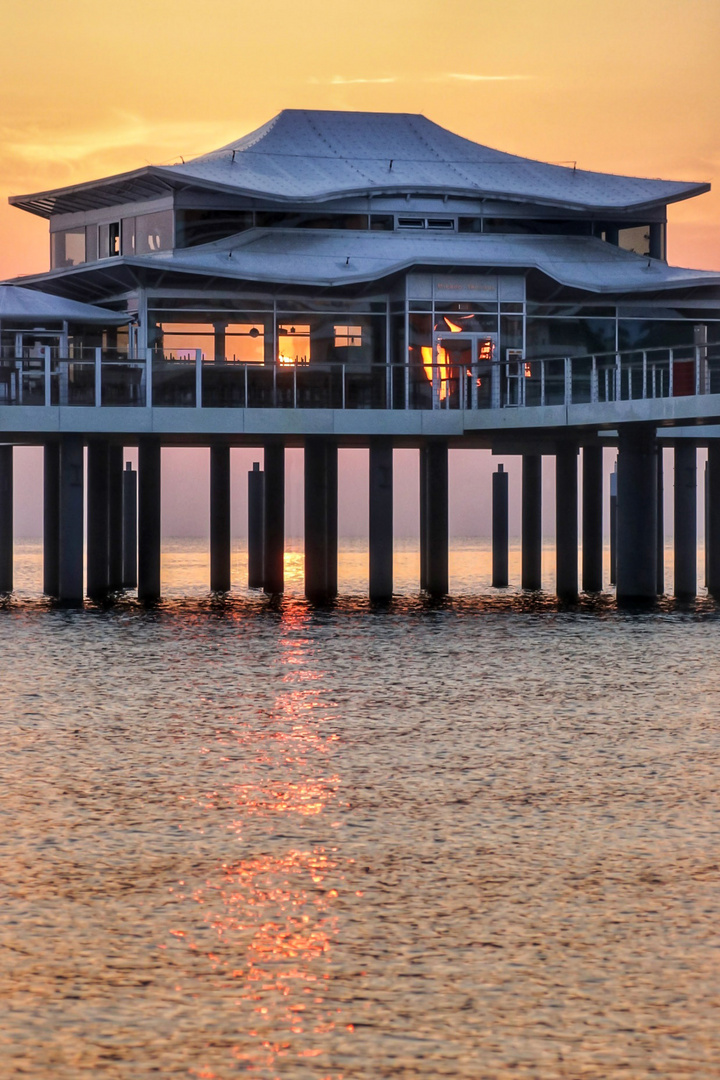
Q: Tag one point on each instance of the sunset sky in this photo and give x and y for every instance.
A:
(89, 89)
(629, 86)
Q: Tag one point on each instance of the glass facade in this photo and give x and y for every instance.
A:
(67, 248)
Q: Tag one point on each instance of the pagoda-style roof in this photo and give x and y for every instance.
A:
(308, 156)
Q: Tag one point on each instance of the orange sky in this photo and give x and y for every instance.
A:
(627, 86)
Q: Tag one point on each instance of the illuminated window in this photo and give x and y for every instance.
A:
(348, 336)
(293, 344)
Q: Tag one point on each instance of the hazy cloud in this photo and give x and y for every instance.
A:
(340, 80)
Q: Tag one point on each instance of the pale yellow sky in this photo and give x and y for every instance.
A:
(629, 86)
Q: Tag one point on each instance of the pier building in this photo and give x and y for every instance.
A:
(360, 279)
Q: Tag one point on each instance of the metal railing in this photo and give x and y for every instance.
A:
(108, 378)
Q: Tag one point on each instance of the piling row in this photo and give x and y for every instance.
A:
(124, 539)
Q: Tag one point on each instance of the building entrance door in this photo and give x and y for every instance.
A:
(464, 373)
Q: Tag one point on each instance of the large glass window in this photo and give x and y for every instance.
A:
(653, 334)
(569, 337)
(154, 232)
(193, 227)
(67, 247)
(636, 239)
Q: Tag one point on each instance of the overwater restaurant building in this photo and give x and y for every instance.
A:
(378, 244)
(361, 279)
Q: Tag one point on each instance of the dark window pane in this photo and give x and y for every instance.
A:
(154, 232)
(569, 337)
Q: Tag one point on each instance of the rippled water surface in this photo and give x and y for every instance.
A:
(471, 840)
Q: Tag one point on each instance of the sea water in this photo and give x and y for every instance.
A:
(249, 837)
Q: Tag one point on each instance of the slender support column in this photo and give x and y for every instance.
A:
(500, 528)
(660, 503)
(332, 517)
(220, 544)
(613, 526)
(685, 520)
(274, 526)
(6, 519)
(72, 470)
(712, 519)
(532, 521)
(637, 517)
(434, 516)
(381, 518)
(97, 520)
(129, 528)
(592, 520)
(115, 518)
(566, 522)
(320, 518)
(149, 519)
(51, 519)
(423, 519)
(256, 526)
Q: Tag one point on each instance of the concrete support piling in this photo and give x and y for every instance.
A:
(566, 522)
(637, 517)
(129, 528)
(500, 528)
(685, 520)
(381, 519)
(321, 517)
(220, 541)
(592, 519)
(6, 519)
(434, 537)
(71, 520)
(256, 526)
(51, 519)
(98, 548)
(274, 518)
(149, 519)
(712, 519)
(115, 517)
(613, 526)
(660, 523)
(531, 521)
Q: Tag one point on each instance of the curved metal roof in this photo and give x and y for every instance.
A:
(30, 305)
(307, 257)
(304, 155)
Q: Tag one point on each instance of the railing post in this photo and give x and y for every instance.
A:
(246, 387)
(343, 385)
(294, 386)
(697, 369)
(618, 378)
(148, 379)
(98, 377)
(47, 376)
(644, 363)
(542, 382)
(198, 378)
(568, 380)
(275, 386)
(671, 364)
(594, 389)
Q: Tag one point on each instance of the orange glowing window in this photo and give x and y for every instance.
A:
(293, 344)
(348, 336)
